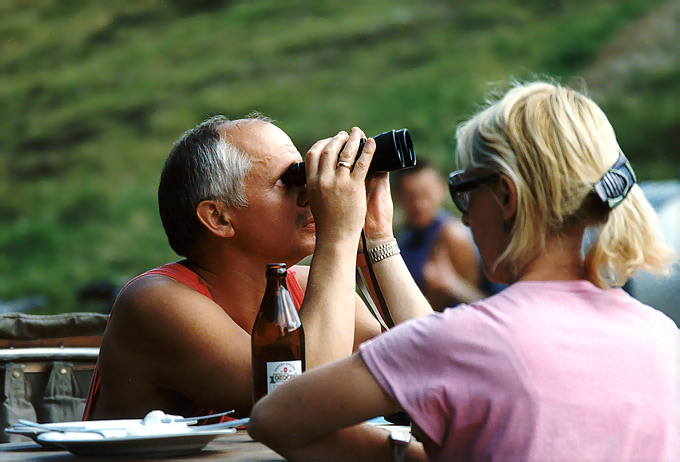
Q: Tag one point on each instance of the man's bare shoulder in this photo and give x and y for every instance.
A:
(164, 306)
(151, 292)
(158, 330)
(455, 232)
(153, 299)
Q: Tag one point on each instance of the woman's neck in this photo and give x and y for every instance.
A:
(561, 261)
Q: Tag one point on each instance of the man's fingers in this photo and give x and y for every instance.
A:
(362, 163)
(329, 154)
(313, 155)
(340, 152)
(349, 151)
(319, 144)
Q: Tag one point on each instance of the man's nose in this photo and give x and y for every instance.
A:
(303, 198)
(465, 219)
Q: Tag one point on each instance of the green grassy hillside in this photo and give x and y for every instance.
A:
(93, 94)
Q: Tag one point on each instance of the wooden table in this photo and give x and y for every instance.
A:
(233, 447)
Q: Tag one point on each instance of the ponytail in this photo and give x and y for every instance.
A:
(628, 240)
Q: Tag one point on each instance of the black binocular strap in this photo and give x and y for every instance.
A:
(381, 313)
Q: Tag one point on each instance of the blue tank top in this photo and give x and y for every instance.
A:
(416, 246)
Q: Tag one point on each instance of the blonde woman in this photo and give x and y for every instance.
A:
(561, 365)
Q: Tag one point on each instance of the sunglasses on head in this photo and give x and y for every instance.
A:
(460, 186)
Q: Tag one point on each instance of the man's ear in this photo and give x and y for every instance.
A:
(507, 194)
(215, 217)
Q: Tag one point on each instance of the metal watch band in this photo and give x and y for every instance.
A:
(383, 251)
(399, 439)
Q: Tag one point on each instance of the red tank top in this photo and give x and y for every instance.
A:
(184, 275)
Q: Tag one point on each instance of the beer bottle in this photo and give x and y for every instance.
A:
(278, 340)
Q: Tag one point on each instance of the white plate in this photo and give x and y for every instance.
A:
(28, 432)
(156, 445)
(32, 432)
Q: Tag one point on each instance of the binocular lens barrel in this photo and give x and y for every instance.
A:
(393, 151)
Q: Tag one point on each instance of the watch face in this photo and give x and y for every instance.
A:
(400, 436)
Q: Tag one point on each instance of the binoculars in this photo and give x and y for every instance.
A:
(393, 151)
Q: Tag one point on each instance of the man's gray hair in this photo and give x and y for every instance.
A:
(201, 166)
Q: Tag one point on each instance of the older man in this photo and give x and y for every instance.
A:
(179, 336)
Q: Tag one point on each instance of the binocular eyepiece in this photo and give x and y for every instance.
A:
(393, 151)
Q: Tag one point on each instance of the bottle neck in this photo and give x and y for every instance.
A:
(275, 283)
(278, 306)
(274, 294)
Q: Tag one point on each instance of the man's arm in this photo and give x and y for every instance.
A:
(319, 414)
(342, 200)
(365, 325)
(402, 296)
(337, 199)
(453, 270)
(458, 246)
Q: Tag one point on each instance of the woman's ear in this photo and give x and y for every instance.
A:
(215, 217)
(507, 194)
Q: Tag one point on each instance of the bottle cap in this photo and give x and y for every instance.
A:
(276, 269)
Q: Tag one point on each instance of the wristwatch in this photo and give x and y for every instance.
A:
(399, 439)
(383, 251)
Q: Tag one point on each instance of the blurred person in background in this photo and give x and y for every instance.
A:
(562, 364)
(179, 336)
(436, 247)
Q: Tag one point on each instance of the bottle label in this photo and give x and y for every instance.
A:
(281, 371)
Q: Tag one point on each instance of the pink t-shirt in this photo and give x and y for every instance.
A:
(541, 371)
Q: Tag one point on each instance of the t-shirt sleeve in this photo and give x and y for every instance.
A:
(431, 366)
(403, 362)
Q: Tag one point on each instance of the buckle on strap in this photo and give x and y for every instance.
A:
(614, 185)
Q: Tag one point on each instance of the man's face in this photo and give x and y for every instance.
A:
(420, 195)
(278, 223)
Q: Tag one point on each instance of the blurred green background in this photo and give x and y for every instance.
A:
(93, 94)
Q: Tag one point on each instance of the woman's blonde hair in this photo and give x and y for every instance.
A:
(555, 144)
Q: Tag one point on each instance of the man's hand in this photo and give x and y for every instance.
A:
(336, 190)
(380, 210)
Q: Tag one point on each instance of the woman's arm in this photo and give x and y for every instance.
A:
(320, 415)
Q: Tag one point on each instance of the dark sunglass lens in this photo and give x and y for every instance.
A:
(454, 179)
(459, 197)
(461, 201)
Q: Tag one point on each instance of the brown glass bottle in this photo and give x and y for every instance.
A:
(278, 339)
